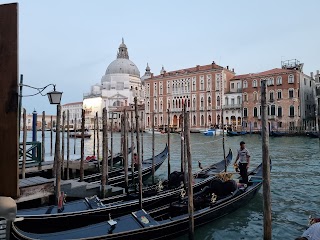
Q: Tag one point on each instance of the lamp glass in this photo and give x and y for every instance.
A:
(54, 97)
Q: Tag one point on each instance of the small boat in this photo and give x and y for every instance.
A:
(312, 134)
(79, 135)
(166, 222)
(77, 213)
(209, 132)
(277, 134)
(156, 131)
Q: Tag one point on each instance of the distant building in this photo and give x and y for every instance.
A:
(48, 123)
(202, 88)
(290, 96)
(317, 99)
(75, 109)
(130, 110)
(119, 85)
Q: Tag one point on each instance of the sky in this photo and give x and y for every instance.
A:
(71, 43)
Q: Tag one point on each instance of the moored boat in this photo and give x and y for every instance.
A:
(77, 213)
(79, 135)
(165, 222)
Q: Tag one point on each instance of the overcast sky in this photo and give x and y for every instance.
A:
(70, 43)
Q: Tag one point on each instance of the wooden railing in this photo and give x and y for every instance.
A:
(30, 158)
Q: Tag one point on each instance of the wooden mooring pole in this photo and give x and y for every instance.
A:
(223, 142)
(125, 155)
(104, 153)
(132, 148)
(182, 145)
(62, 142)
(190, 176)
(94, 136)
(267, 230)
(153, 170)
(141, 127)
(43, 136)
(51, 133)
(98, 140)
(68, 143)
(168, 130)
(75, 137)
(82, 146)
(57, 156)
(111, 144)
(24, 141)
(138, 150)
(183, 149)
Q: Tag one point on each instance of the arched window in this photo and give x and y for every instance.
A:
(226, 101)
(291, 93)
(201, 102)
(173, 103)
(209, 119)
(291, 78)
(188, 103)
(161, 120)
(148, 120)
(279, 111)
(209, 101)
(245, 112)
(279, 80)
(155, 105)
(194, 103)
(161, 106)
(279, 94)
(271, 95)
(202, 84)
(254, 83)
(255, 112)
(179, 103)
(255, 96)
(168, 104)
(245, 97)
(148, 106)
(291, 112)
(194, 120)
(218, 101)
(202, 120)
(273, 110)
(238, 100)
(245, 84)
(239, 121)
(209, 84)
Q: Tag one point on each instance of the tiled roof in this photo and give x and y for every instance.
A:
(260, 74)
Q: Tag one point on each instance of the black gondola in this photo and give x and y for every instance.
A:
(166, 222)
(83, 212)
(312, 134)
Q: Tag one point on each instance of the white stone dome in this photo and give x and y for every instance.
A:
(123, 65)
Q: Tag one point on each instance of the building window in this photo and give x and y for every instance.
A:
(238, 100)
(168, 87)
(226, 101)
(279, 80)
(161, 89)
(194, 103)
(201, 102)
(168, 106)
(279, 124)
(218, 101)
(232, 85)
(291, 78)
(155, 105)
(161, 106)
(201, 85)
(255, 112)
(273, 110)
(271, 98)
(208, 84)
(202, 120)
(279, 94)
(245, 84)
(279, 111)
(290, 93)
(189, 103)
(245, 97)
(232, 101)
(245, 112)
(270, 81)
(194, 120)
(209, 101)
(194, 85)
(155, 89)
(254, 83)
(255, 124)
(255, 96)
(291, 112)
(148, 106)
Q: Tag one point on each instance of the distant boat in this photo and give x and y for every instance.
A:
(156, 131)
(233, 133)
(210, 132)
(312, 134)
(79, 135)
(277, 134)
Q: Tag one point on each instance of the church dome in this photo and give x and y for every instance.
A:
(122, 64)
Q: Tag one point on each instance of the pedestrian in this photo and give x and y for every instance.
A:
(244, 161)
(312, 233)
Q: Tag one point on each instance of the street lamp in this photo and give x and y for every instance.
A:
(54, 96)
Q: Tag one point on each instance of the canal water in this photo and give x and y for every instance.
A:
(295, 181)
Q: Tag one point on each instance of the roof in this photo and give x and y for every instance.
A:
(268, 72)
(73, 103)
(129, 108)
(198, 68)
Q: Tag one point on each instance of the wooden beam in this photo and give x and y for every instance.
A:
(9, 100)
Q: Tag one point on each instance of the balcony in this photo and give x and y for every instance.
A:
(272, 117)
(232, 106)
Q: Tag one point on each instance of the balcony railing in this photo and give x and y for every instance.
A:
(232, 106)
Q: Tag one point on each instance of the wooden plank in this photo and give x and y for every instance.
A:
(9, 100)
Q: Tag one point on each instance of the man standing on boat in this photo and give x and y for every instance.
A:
(244, 161)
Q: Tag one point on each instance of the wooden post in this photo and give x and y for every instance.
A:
(141, 138)
(267, 231)
(43, 136)
(182, 145)
(104, 153)
(190, 176)
(132, 147)
(111, 163)
(124, 150)
(94, 136)
(62, 142)
(98, 140)
(75, 137)
(153, 170)
(138, 151)
(68, 143)
(24, 156)
(82, 146)
(57, 156)
(169, 170)
(51, 133)
(223, 142)
(184, 153)
(9, 138)
(122, 139)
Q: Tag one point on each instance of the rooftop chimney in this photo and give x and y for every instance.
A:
(198, 67)
(228, 67)
(317, 72)
(232, 69)
(311, 75)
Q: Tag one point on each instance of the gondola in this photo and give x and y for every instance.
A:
(277, 134)
(92, 210)
(166, 222)
(312, 134)
(233, 133)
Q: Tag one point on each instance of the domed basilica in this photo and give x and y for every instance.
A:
(119, 85)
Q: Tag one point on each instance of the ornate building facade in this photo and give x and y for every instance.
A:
(202, 89)
(119, 85)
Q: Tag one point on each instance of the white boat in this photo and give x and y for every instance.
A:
(156, 131)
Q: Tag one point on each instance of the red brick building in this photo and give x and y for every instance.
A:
(201, 87)
(290, 98)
